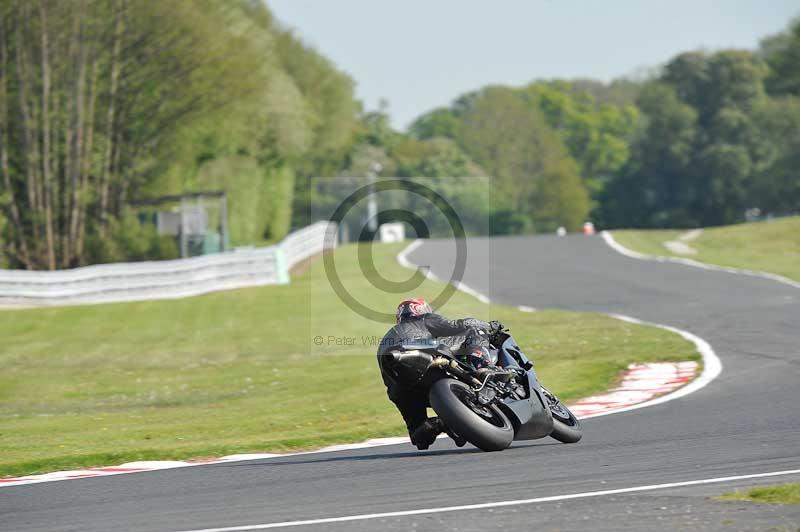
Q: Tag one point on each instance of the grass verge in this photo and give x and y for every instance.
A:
(240, 371)
(780, 494)
(772, 246)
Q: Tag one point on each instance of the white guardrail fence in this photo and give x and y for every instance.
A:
(133, 281)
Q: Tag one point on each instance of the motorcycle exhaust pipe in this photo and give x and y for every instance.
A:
(422, 362)
(456, 369)
(413, 359)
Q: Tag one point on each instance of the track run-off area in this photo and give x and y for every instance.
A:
(647, 468)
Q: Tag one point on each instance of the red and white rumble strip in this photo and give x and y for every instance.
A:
(640, 383)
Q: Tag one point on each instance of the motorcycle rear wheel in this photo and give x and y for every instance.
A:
(484, 426)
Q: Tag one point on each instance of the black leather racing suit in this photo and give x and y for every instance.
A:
(411, 403)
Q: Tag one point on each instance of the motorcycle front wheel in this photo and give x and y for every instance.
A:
(566, 427)
(484, 426)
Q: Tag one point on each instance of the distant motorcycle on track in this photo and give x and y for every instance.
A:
(507, 405)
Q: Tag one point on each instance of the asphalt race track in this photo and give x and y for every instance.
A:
(745, 422)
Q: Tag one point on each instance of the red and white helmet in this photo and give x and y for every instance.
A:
(412, 308)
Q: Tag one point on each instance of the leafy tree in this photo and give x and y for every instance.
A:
(94, 95)
(619, 92)
(440, 122)
(705, 148)
(106, 101)
(437, 157)
(596, 135)
(777, 188)
(514, 143)
(331, 112)
(782, 53)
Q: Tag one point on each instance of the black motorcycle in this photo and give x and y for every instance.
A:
(489, 412)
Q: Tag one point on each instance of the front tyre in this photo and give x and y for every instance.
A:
(566, 427)
(484, 426)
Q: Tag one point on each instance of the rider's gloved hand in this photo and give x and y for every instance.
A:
(496, 325)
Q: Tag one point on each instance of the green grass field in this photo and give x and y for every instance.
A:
(238, 371)
(771, 246)
(781, 494)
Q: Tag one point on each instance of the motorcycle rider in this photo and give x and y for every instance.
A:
(417, 322)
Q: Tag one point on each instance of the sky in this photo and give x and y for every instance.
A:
(422, 54)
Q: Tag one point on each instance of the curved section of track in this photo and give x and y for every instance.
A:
(742, 424)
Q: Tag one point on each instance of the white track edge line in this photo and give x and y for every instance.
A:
(402, 258)
(619, 248)
(497, 504)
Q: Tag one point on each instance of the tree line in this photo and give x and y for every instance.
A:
(104, 103)
(721, 137)
(709, 137)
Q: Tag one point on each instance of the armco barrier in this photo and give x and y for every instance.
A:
(164, 279)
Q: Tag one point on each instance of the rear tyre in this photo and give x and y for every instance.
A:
(484, 426)
(566, 427)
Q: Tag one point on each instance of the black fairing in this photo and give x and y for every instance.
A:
(531, 416)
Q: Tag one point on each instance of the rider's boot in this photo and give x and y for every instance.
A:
(425, 434)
